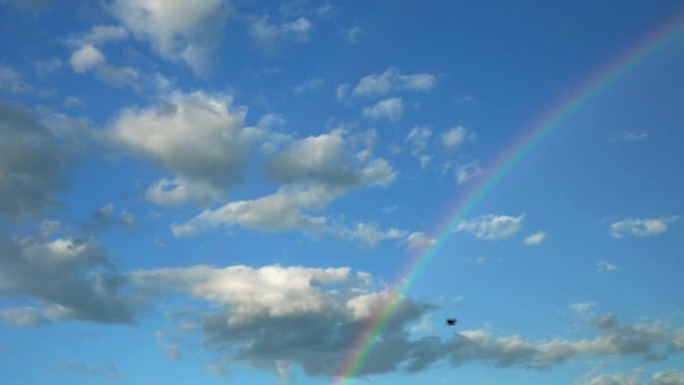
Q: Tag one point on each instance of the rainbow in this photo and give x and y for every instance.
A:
(531, 136)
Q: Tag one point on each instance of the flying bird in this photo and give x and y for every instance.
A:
(451, 321)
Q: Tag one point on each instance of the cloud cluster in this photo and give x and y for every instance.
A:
(313, 171)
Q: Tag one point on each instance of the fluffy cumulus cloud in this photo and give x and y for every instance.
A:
(391, 109)
(492, 226)
(392, 80)
(188, 31)
(86, 58)
(199, 137)
(640, 227)
(69, 278)
(32, 164)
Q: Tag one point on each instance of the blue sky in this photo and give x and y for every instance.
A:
(229, 192)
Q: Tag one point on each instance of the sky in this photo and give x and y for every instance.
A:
(303, 192)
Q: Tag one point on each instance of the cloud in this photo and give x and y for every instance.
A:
(468, 171)
(341, 91)
(419, 138)
(313, 171)
(177, 191)
(12, 81)
(283, 210)
(329, 159)
(582, 308)
(86, 58)
(201, 138)
(309, 85)
(351, 34)
(640, 227)
(392, 80)
(187, 31)
(535, 238)
(628, 137)
(371, 234)
(274, 318)
(47, 66)
(72, 278)
(32, 164)
(270, 35)
(455, 136)
(106, 217)
(22, 317)
(492, 226)
(665, 377)
(99, 34)
(391, 109)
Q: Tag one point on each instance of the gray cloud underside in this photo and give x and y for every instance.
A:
(32, 164)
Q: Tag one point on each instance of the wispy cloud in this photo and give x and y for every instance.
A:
(637, 227)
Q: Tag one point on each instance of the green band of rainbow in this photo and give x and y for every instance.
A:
(504, 162)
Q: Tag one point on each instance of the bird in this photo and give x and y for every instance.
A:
(451, 321)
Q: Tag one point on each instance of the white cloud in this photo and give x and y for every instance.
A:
(72, 101)
(283, 210)
(329, 159)
(86, 58)
(492, 226)
(269, 35)
(628, 136)
(309, 85)
(391, 109)
(341, 91)
(468, 171)
(419, 137)
(640, 227)
(177, 191)
(99, 34)
(535, 238)
(179, 30)
(371, 234)
(351, 34)
(582, 308)
(200, 137)
(455, 136)
(22, 317)
(392, 80)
